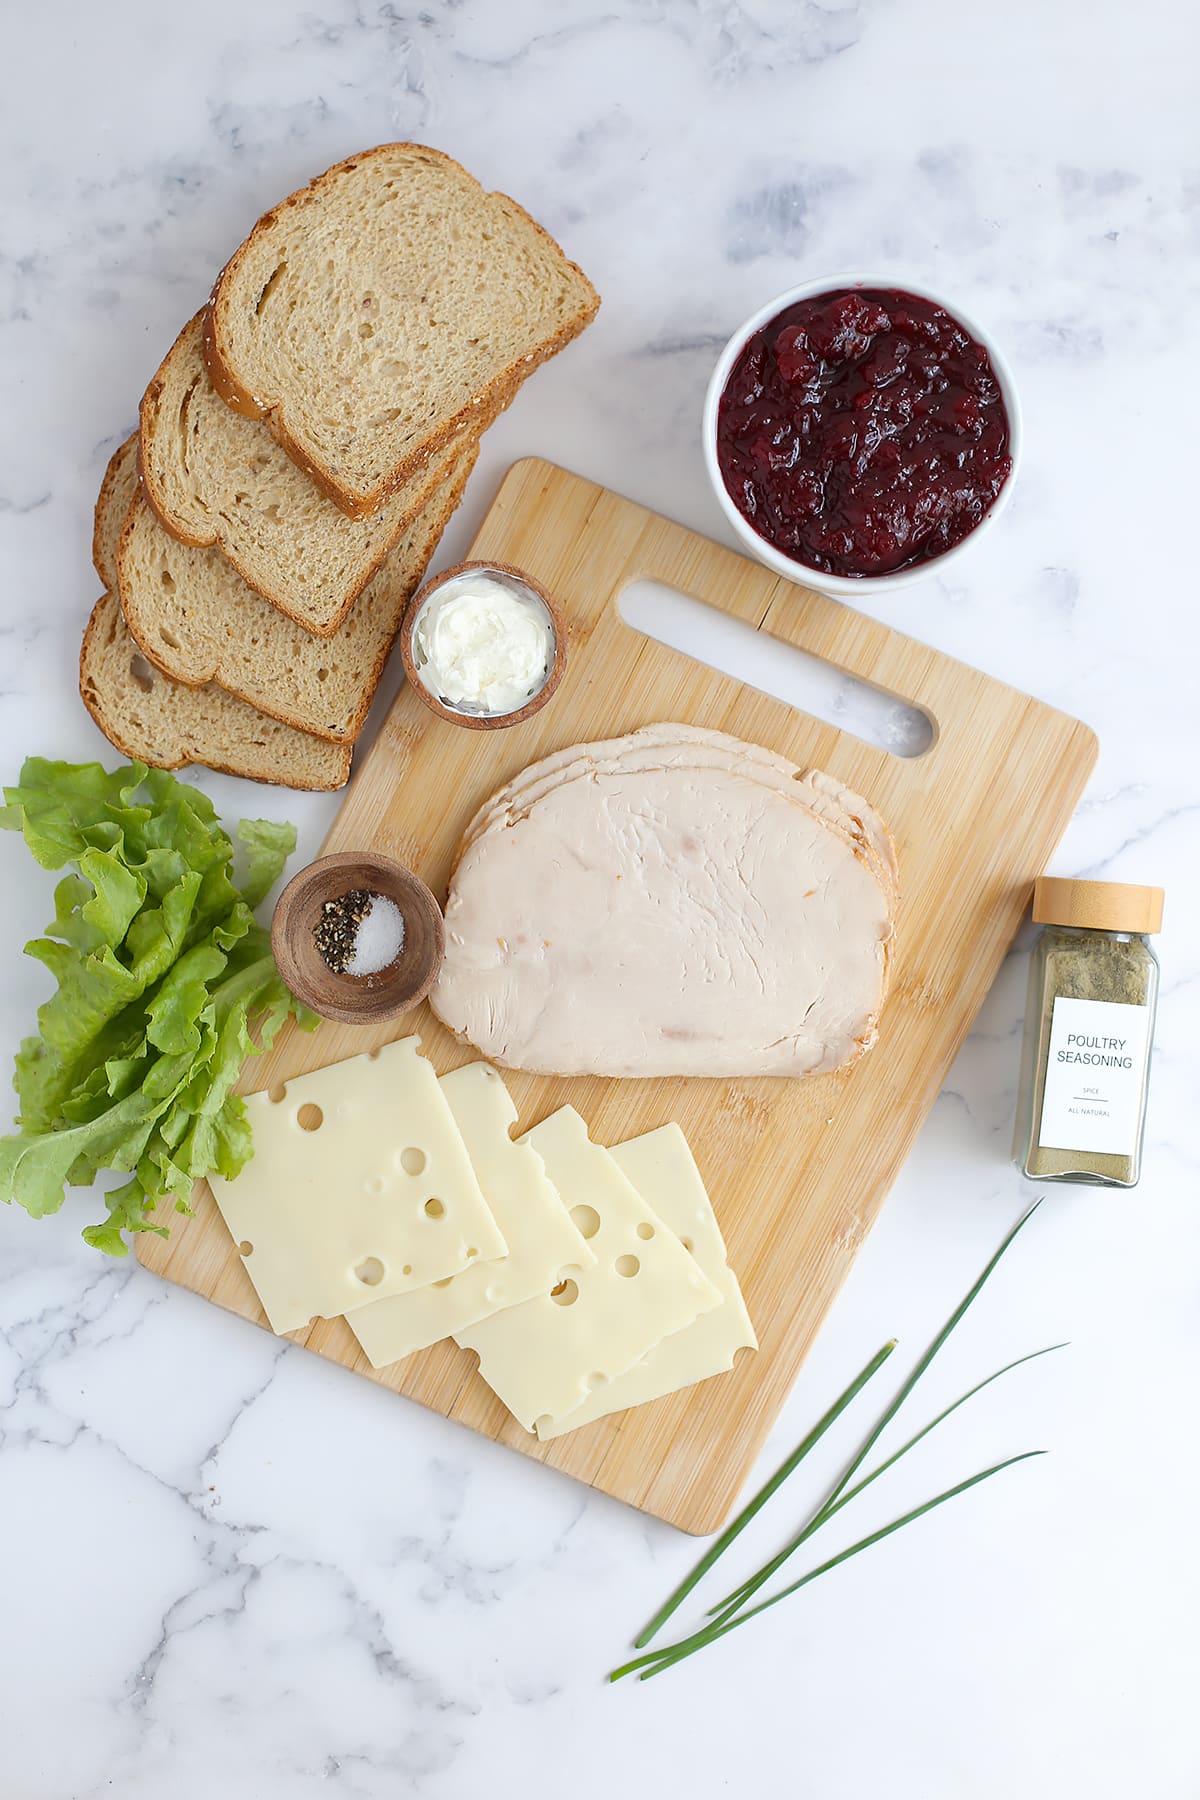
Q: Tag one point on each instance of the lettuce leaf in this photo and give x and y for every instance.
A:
(264, 848)
(160, 969)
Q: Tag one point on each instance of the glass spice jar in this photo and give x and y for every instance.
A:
(1089, 1024)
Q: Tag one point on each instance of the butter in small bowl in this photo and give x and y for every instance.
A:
(483, 645)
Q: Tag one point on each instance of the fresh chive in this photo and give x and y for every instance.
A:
(970, 1394)
(826, 1512)
(726, 1607)
(721, 1616)
(760, 1499)
(673, 1653)
(729, 1613)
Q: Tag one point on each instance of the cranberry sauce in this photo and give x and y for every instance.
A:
(863, 431)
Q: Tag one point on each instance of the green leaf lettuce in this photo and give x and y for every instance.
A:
(160, 968)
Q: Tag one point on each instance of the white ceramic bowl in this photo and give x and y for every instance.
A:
(848, 586)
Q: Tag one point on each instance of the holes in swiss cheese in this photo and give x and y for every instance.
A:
(645, 1230)
(412, 1161)
(435, 1209)
(586, 1220)
(370, 1271)
(565, 1294)
(246, 1248)
(310, 1117)
(627, 1266)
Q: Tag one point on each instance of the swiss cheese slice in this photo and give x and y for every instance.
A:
(360, 1186)
(662, 1169)
(544, 1358)
(526, 1205)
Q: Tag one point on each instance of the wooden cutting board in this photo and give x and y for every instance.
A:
(797, 1169)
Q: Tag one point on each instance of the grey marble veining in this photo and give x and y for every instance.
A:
(231, 1569)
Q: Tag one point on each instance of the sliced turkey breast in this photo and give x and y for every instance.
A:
(675, 746)
(670, 903)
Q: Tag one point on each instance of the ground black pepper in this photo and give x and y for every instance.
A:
(336, 931)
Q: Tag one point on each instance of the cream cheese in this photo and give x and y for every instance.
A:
(481, 644)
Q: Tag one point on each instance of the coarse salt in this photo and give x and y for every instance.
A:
(380, 937)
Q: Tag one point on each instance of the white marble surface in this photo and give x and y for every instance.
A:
(231, 1569)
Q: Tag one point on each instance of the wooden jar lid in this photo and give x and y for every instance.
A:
(1097, 905)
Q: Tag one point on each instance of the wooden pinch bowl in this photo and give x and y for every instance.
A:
(518, 579)
(357, 999)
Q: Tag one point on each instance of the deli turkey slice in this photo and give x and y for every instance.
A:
(674, 902)
(691, 746)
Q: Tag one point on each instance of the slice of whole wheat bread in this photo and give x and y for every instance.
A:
(147, 716)
(217, 479)
(155, 720)
(197, 620)
(117, 493)
(374, 313)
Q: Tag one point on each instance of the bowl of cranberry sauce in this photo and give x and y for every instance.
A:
(858, 433)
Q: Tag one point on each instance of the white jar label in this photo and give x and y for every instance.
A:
(1095, 1076)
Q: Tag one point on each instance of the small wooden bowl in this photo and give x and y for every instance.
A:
(484, 721)
(357, 999)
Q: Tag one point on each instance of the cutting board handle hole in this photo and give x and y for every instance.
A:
(799, 679)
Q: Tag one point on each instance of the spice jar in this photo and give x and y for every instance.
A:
(1093, 984)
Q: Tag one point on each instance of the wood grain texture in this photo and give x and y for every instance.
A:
(797, 1169)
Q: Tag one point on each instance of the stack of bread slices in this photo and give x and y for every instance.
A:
(298, 456)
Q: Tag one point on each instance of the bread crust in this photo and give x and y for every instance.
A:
(447, 502)
(149, 417)
(137, 753)
(148, 414)
(274, 415)
(113, 473)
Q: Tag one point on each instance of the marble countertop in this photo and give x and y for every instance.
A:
(231, 1569)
